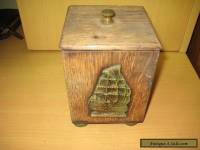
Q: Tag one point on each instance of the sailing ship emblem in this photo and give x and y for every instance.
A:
(111, 95)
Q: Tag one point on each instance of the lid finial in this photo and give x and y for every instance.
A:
(108, 15)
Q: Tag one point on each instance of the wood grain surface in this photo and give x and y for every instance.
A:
(34, 110)
(131, 30)
(83, 68)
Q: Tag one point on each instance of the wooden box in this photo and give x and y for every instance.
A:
(110, 55)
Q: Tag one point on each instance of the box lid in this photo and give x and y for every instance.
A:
(108, 28)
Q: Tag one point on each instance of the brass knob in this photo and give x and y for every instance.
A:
(108, 15)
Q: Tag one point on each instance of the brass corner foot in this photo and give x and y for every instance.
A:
(131, 123)
(80, 123)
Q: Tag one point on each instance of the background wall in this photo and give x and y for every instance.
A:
(8, 4)
(43, 19)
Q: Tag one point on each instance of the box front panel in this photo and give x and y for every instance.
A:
(84, 71)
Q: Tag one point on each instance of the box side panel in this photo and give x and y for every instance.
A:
(83, 68)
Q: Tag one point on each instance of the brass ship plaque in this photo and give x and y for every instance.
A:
(111, 95)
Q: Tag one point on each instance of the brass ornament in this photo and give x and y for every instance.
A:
(108, 15)
(111, 94)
